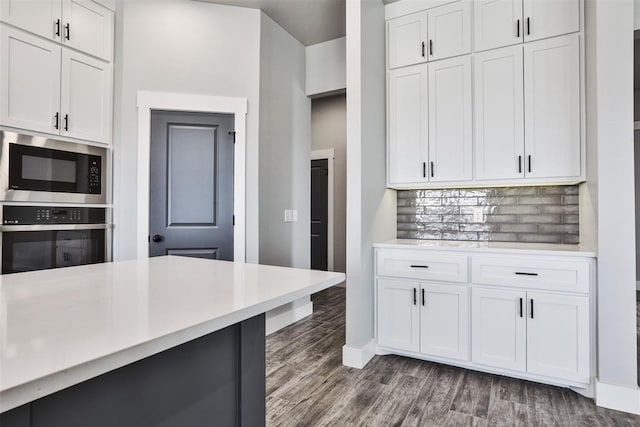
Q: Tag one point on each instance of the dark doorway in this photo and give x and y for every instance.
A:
(191, 185)
(319, 213)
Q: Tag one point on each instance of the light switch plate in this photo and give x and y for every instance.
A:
(288, 215)
(294, 217)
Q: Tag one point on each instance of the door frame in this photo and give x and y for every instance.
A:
(149, 101)
(329, 155)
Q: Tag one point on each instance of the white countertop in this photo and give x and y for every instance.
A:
(61, 327)
(490, 247)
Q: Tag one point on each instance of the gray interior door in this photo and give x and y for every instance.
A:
(191, 185)
(319, 213)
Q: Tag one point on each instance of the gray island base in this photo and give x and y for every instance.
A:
(214, 380)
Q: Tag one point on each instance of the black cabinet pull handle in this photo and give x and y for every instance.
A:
(532, 308)
(423, 298)
(518, 28)
(66, 122)
(528, 26)
(57, 27)
(431, 169)
(423, 49)
(519, 164)
(419, 266)
(521, 273)
(415, 296)
(57, 117)
(529, 159)
(424, 169)
(520, 307)
(431, 47)
(68, 31)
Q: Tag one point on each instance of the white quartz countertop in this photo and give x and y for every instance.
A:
(491, 247)
(61, 327)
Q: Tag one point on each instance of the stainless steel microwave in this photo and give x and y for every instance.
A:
(38, 169)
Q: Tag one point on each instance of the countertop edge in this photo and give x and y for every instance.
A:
(36, 389)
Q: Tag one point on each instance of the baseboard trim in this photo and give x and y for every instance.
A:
(355, 357)
(279, 321)
(617, 397)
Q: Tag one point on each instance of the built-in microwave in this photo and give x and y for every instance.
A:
(39, 169)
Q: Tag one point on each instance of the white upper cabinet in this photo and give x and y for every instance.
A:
(449, 29)
(499, 114)
(450, 126)
(407, 120)
(41, 17)
(30, 83)
(88, 27)
(497, 23)
(552, 107)
(406, 40)
(548, 18)
(86, 107)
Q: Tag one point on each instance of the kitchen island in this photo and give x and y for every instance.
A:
(159, 341)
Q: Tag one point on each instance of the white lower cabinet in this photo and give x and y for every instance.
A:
(531, 326)
(424, 317)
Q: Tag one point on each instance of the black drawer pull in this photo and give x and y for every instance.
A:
(520, 273)
(419, 266)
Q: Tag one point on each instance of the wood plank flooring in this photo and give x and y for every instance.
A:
(307, 385)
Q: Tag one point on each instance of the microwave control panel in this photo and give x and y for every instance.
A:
(29, 215)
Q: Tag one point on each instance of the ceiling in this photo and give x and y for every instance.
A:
(309, 21)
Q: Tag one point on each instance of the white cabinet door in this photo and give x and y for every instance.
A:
(87, 88)
(407, 120)
(449, 30)
(444, 321)
(30, 81)
(398, 314)
(497, 23)
(406, 40)
(499, 114)
(450, 126)
(550, 18)
(499, 336)
(41, 17)
(552, 107)
(558, 336)
(88, 27)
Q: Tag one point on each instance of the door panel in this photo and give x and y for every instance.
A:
(90, 28)
(444, 321)
(191, 202)
(550, 18)
(450, 127)
(499, 114)
(30, 75)
(36, 16)
(398, 314)
(499, 329)
(497, 23)
(449, 30)
(406, 38)
(319, 213)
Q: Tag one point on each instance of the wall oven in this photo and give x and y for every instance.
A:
(39, 169)
(42, 237)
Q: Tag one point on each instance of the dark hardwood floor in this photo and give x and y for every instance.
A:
(307, 385)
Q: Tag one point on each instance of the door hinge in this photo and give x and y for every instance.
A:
(233, 133)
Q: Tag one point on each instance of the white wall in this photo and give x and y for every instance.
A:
(285, 146)
(370, 206)
(184, 47)
(329, 130)
(610, 86)
(326, 67)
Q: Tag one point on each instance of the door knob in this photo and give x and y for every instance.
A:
(157, 238)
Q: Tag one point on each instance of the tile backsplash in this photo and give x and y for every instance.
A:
(510, 214)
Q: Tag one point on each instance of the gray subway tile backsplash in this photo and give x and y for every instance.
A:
(513, 214)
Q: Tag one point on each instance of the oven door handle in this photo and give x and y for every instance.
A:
(54, 227)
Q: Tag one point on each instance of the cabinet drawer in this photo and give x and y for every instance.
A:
(531, 273)
(422, 265)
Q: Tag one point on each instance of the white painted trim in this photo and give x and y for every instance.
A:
(617, 397)
(358, 357)
(406, 7)
(148, 101)
(330, 155)
(279, 321)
